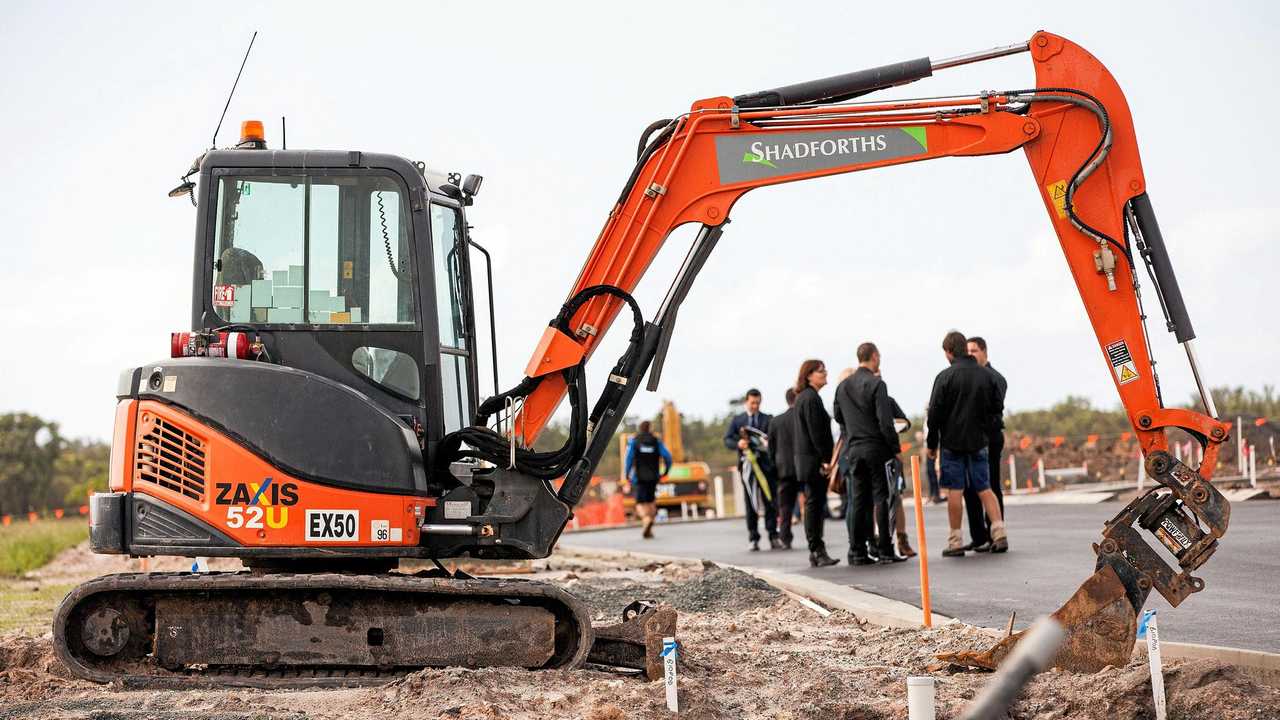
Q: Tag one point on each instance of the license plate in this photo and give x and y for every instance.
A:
(666, 490)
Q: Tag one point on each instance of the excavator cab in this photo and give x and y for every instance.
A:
(333, 346)
(353, 266)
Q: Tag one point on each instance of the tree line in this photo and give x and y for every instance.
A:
(42, 470)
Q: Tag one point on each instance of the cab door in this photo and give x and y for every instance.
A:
(455, 317)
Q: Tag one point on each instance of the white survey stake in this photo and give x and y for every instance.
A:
(1149, 628)
(669, 672)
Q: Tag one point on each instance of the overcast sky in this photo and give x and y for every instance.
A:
(106, 104)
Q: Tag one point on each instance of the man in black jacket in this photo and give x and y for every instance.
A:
(979, 523)
(865, 412)
(761, 499)
(964, 399)
(782, 449)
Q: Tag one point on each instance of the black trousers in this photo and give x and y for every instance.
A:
(815, 509)
(979, 523)
(868, 503)
(770, 513)
(788, 490)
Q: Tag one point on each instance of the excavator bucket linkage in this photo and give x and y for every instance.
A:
(1187, 514)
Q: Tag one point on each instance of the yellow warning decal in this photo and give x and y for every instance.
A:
(1122, 363)
(1058, 195)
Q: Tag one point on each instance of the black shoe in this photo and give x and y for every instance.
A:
(786, 544)
(957, 552)
(861, 560)
(755, 546)
(775, 544)
(1000, 546)
(890, 558)
(820, 558)
(873, 552)
(984, 547)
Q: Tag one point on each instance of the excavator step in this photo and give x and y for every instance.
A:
(283, 630)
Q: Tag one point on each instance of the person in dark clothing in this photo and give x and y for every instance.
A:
(812, 451)
(935, 490)
(782, 449)
(642, 469)
(979, 523)
(863, 408)
(761, 493)
(963, 401)
(901, 424)
(839, 465)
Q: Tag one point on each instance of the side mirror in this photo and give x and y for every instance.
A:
(184, 189)
(471, 185)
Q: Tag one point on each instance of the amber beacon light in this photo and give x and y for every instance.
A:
(251, 132)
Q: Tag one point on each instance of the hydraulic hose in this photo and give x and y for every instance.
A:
(1091, 163)
(482, 443)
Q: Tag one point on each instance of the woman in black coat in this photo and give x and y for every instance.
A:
(813, 448)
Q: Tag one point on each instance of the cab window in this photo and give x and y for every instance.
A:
(312, 250)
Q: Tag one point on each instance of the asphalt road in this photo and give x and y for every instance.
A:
(1050, 555)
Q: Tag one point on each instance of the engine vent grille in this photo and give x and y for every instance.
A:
(169, 457)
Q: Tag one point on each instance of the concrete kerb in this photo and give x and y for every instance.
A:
(1263, 666)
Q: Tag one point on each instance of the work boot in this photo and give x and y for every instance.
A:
(955, 545)
(775, 544)
(999, 540)
(820, 558)
(755, 546)
(904, 547)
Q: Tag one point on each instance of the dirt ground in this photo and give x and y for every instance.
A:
(750, 652)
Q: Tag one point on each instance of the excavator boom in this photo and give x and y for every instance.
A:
(1078, 136)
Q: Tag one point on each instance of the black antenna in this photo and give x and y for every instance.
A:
(284, 135)
(214, 142)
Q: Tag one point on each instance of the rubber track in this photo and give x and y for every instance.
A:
(171, 583)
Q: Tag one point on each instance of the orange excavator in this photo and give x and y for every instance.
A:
(321, 420)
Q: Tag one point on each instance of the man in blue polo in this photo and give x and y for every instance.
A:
(965, 398)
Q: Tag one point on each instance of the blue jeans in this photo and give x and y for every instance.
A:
(961, 470)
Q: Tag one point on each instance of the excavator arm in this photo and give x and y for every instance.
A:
(1076, 131)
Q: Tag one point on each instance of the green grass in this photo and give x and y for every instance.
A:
(26, 546)
(28, 606)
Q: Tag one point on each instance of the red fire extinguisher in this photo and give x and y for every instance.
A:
(211, 344)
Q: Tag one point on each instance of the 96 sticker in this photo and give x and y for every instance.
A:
(381, 531)
(333, 526)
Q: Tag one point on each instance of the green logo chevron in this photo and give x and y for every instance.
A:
(751, 157)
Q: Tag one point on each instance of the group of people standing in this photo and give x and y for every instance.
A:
(795, 455)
